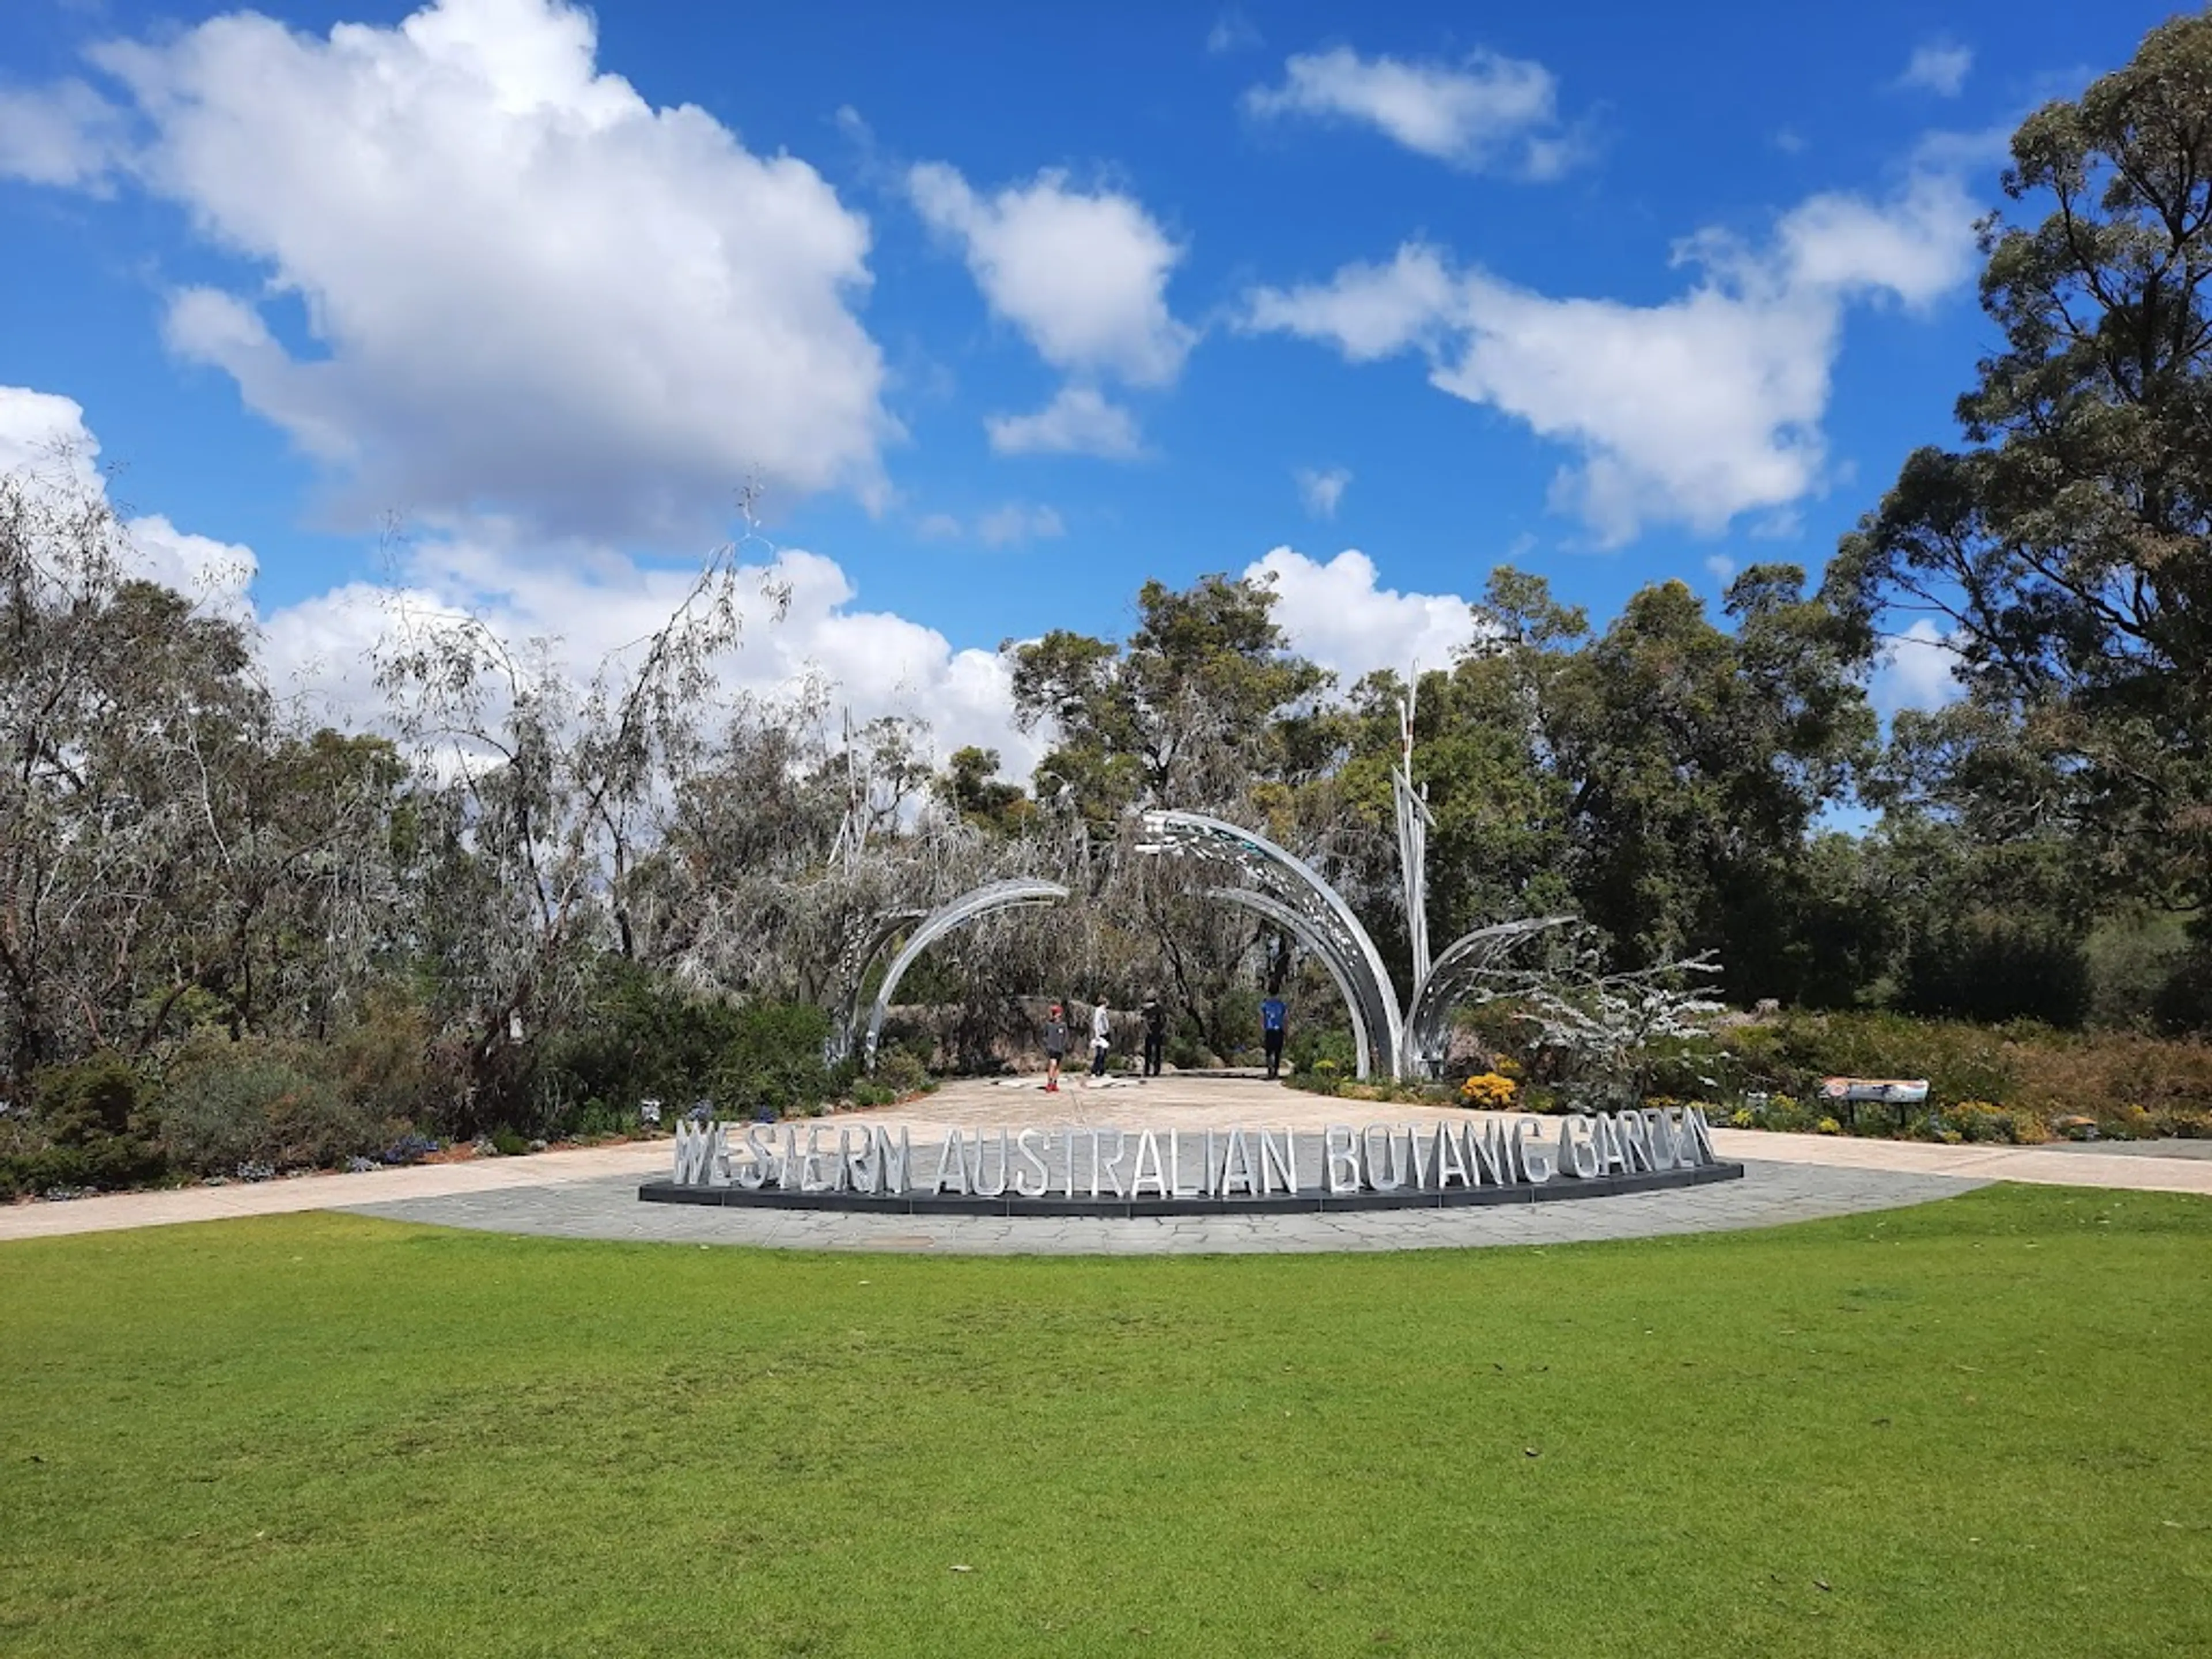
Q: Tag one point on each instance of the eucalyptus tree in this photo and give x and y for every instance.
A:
(540, 802)
(2063, 550)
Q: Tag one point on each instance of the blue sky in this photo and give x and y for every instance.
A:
(1005, 307)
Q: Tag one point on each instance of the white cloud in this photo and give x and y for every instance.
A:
(44, 439)
(1079, 421)
(1232, 31)
(1336, 615)
(586, 599)
(1720, 567)
(65, 135)
(1690, 411)
(1915, 672)
(1367, 312)
(1082, 274)
(1938, 66)
(1322, 489)
(1488, 112)
(525, 286)
(1017, 521)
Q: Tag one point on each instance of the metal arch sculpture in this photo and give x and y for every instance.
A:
(1326, 923)
(853, 970)
(1284, 916)
(969, 907)
(1445, 985)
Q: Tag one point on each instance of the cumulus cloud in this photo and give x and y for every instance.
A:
(65, 135)
(801, 628)
(1916, 671)
(1689, 411)
(1082, 274)
(1485, 113)
(1938, 66)
(1321, 489)
(1079, 421)
(44, 439)
(802, 625)
(526, 289)
(1337, 614)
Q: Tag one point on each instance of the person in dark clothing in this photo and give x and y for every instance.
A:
(1055, 1047)
(1155, 1035)
(1273, 1018)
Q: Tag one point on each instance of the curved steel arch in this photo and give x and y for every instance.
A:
(1325, 922)
(980, 901)
(1283, 916)
(853, 970)
(1446, 985)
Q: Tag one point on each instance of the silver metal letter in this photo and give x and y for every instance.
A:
(1237, 1166)
(1387, 1176)
(1340, 1158)
(1449, 1160)
(1535, 1164)
(951, 1164)
(1577, 1152)
(1032, 1160)
(1147, 1144)
(999, 1190)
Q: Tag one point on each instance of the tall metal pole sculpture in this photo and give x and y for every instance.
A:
(1414, 822)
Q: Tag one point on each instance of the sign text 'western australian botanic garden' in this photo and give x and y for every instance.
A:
(1084, 1170)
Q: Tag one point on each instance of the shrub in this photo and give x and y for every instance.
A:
(91, 1125)
(1315, 1045)
(1992, 969)
(1488, 1091)
(899, 1074)
(638, 1036)
(227, 1105)
(773, 1060)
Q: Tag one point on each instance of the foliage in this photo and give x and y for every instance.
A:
(2130, 1084)
(1488, 1091)
(1993, 969)
(772, 1062)
(1605, 1035)
(91, 1125)
(2063, 553)
(227, 1104)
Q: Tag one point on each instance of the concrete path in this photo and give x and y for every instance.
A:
(1792, 1177)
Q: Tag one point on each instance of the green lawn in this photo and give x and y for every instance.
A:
(1979, 1427)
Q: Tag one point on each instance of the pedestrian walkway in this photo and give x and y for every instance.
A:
(591, 1192)
(1769, 1195)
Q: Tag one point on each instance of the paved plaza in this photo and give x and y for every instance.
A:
(592, 1193)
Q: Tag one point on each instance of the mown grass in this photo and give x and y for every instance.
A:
(1978, 1427)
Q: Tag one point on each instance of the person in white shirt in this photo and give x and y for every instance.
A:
(1102, 1038)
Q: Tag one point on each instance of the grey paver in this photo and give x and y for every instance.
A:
(609, 1208)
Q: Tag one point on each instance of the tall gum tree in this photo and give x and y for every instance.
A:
(2063, 548)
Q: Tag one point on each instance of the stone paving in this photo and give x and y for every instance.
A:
(608, 1208)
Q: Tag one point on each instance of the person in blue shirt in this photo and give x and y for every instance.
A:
(1273, 1017)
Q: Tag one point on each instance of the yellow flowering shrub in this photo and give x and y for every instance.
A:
(1490, 1091)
